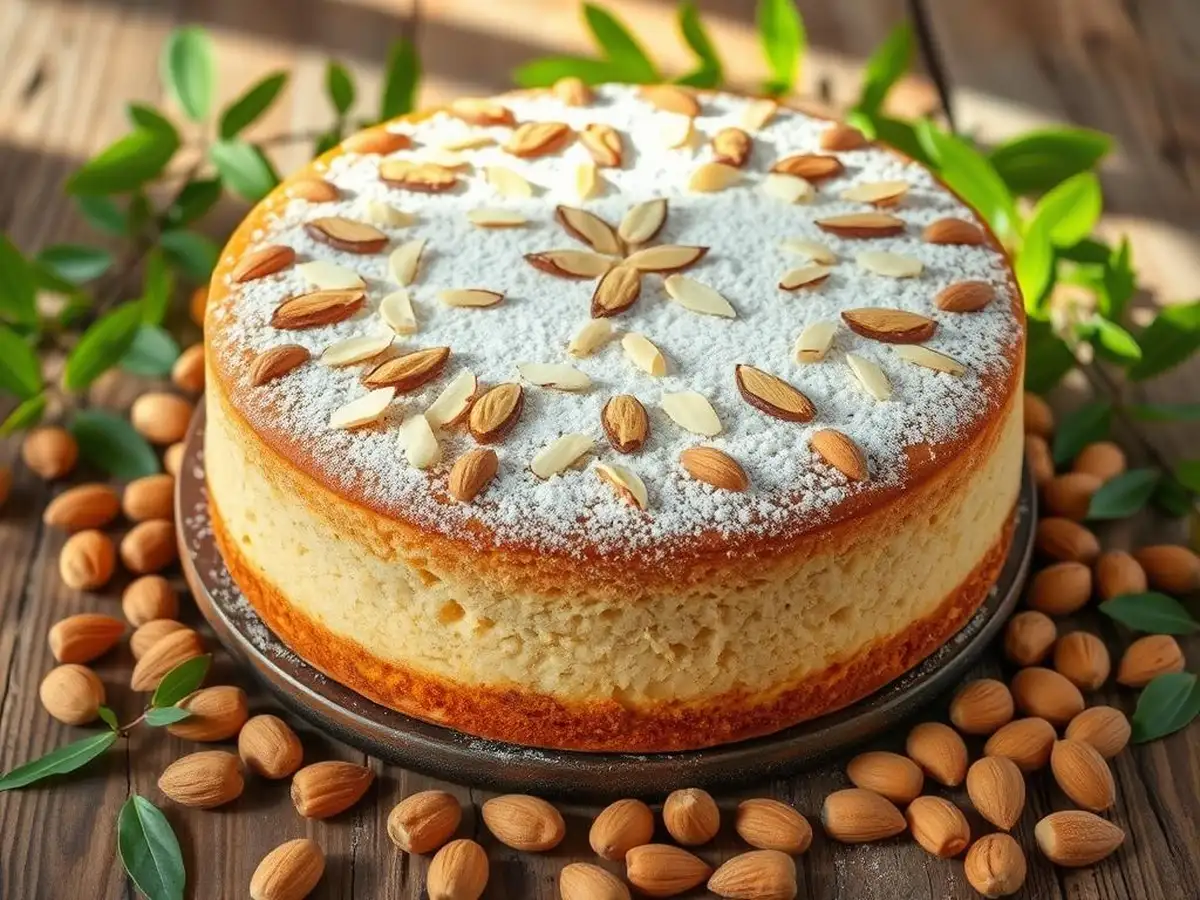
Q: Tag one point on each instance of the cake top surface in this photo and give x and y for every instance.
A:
(453, 217)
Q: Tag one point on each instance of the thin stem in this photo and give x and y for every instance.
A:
(1103, 383)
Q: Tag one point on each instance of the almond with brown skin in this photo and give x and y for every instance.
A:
(603, 142)
(1039, 417)
(1046, 694)
(625, 423)
(376, 140)
(1070, 495)
(1147, 658)
(533, 139)
(1170, 568)
(620, 827)
(187, 373)
(459, 871)
(1117, 572)
(173, 459)
(410, 371)
(166, 653)
(570, 263)
(892, 326)
(857, 816)
(149, 634)
(495, 413)
(347, 234)
(767, 824)
(995, 866)
(263, 262)
(82, 507)
(1105, 728)
(890, 775)
(1039, 459)
(1027, 742)
(423, 822)
(421, 177)
(289, 872)
(691, 816)
(277, 362)
(965, 296)
(317, 308)
(472, 472)
(149, 497)
(50, 452)
(572, 91)
(1082, 659)
(314, 190)
(588, 228)
(1061, 539)
(1061, 588)
(809, 166)
(324, 789)
(1103, 459)
(617, 291)
(953, 231)
(940, 752)
(840, 451)
(939, 826)
(1072, 837)
(203, 780)
(1029, 638)
(660, 870)
(161, 418)
(481, 111)
(731, 146)
(772, 395)
(714, 467)
(149, 547)
(862, 225)
(981, 706)
(840, 137)
(72, 694)
(665, 258)
(87, 560)
(148, 598)
(269, 747)
(83, 637)
(1083, 775)
(756, 875)
(524, 822)
(583, 881)
(997, 790)
(670, 98)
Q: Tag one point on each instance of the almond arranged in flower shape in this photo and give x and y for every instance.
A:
(842, 453)
(814, 342)
(591, 229)
(661, 870)
(691, 411)
(628, 485)
(965, 296)
(953, 231)
(892, 326)
(625, 423)
(617, 291)
(317, 308)
(410, 371)
(554, 375)
(277, 362)
(712, 177)
(665, 258)
(347, 234)
(840, 137)
(451, 405)
(470, 298)
(534, 139)
(772, 395)
(422, 177)
(263, 262)
(862, 225)
(559, 455)
(672, 99)
(731, 146)
(804, 276)
(643, 221)
(877, 193)
(472, 472)
(696, 296)
(603, 142)
(314, 190)
(809, 166)
(481, 111)
(570, 263)
(714, 467)
(376, 140)
(363, 410)
(757, 874)
(495, 413)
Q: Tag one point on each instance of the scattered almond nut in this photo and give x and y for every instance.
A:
(1072, 837)
(620, 827)
(72, 694)
(217, 714)
(148, 598)
(83, 637)
(264, 261)
(767, 824)
(161, 418)
(149, 546)
(1061, 589)
(1029, 638)
(1170, 568)
(940, 752)
(996, 787)
(1147, 658)
(524, 822)
(756, 875)
(772, 395)
(146, 636)
(892, 326)
(187, 373)
(855, 816)
(150, 497)
(840, 451)
(671, 98)
(862, 225)
(533, 139)
(203, 780)
(995, 866)
(890, 775)
(560, 454)
(50, 452)
(714, 467)
(458, 871)
(472, 472)
(1103, 459)
(691, 816)
(277, 362)
(324, 789)
(1039, 417)
(1027, 742)
(423, 822)
(1039, 459)
(1070, 495)
(1082, 659)
(1117, 572)
(289, 872)
(1046, 694)
(83, 507)
(1061, 539)
(268, 747)
(1105, 728)
(981, 706)
(809, 166)
(840, 137)
(177, 646)
(584, 881)
(938, 825)
(1083, 774)
(661, 870)
(495, 413)
(953, 231)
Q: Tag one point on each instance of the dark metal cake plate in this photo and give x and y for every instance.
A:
(461, 758)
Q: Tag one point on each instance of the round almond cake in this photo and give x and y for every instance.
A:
(614, 419)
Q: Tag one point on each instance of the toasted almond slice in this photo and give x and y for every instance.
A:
(560, 455)
(862, 225)
(468, 140)
(692, 412)
(277, 362)
(930, 359)
(771, 394)
(397, 311)
(616, 292)
(697, 297)
(870, 376)
(376, 140)
(731, 146)
(534, 139)
(554, 375)
(591, 229)
(570, 263)
(572, 91)
(805, 276)
(814, 341)
(453, 403)
(603, 142)
(788, 188)
(953, 231)
(814, 250)
(758, 113)
(672, 99)
(472, 472)
(715, 467)
(263, 262)
(317, 308)
(842, 453)
(587, 180)
(382, 213)
(495, 413)
(677, 132)
(712, 177)
(878, 193)
(965, 296)
(363, 410)
(809, 166)
(629, 487)
(314, 190)
(410, 371)
(665, 258)
(590, 337)
(490, 217)
(355, 350)
(892, 326)
(508, 183)
(447, 159)
(329, 276)
(422, 177)
(893, 265)
(419, 443)
(625, 423)
(640, 351)
(840, 137)
(405, 261)
(481, 111)
(643, 221)
(476, 298)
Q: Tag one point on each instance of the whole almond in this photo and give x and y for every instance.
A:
(495, 413)
(1039, 459)
(324, 789)
(840, 451)
(1083, 774)
(620, 827)
(939, 826)
(203, 780)
(771, 825)
(1061, 588)
(409, 371)
(940, 752)
(87, 560)
(268, 747)
(82, 507)
(459, 871)
(1061, 539)
(149, 546)
(691, 816)
(572, 91)
(890, 775)
(150, 497)
(584, 881)
(892, 326)
(1027, 742)
(1103, 459)
(277, 362)
(1072, 837)
(953, 231)
(715, 467)
(981, 706)
(423, 822)
(1070, 495)
(862, 225)
(83, 637)
(314, 190)
(262, 262)
(1029, 637)
(855, 816)
(1039, 417)
(731, 146)
(756, 875)
(809, 166)
(376, 140)
(524, 822)
(149, 634)
(472, 472)
(965, 296)
(603, 142)
(161, 418)
(839, 137)
(617, 290)
(670, 98)
(1117, 572)
(533, 139)
(148, 598)
(1147, 658)
(289, 872)
(173, 458)
(995, 866)
(164, 655)
(772, 395)
(997, 790)
(661, 870)
(423, 177)
(1170, 568)
(1082, 659)
(72, 694)
(51, 452)
(1105, 728)
(217, 714)
(625, 423)
(316, 308)
(1046, 694)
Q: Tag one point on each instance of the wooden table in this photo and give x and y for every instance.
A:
(995, 68)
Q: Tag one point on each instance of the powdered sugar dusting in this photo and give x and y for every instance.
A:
(743, 227)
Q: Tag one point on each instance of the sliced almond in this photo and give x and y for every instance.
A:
(572, 91)
(643, 221)
(712, 177)
(554, 375)
(714, 467)
(592, 335)
(930, 359)
(953, 231)
(692, 412)
(842, 453)
(731, 146)
(809, 166)
(481, 111)
(317, 308)
(314, 190)
(263, 262)
(491, 217)
(570, 263)
(329, 276)
(468, 140)
(277, 362)
(877, 193)
(892, 326)
(772, 395)
(697, 297)
(603, 142)
(533, 139)
(814, 342)
(617, 291)
(422, 177)
(870, 376)
(470, 297)
(625, 423)
(376, 140)
(508, 183)
(672, 99)
(862, 225)
(560, 455)
(452, 404)
(410, 371)
(840, 137)
(405, 260)
(447, 159)
(805, 276)
(588, 182)
(628, 486)
(396, 310)
(355, 350)
(380, 212)
(814, 250)
(364, 410)
(419, 443)
(757, 113)
(591, 229)
(472, 472)
(642, 353)
(665, 258)
(893, 265)
(965, 296)
(677, 132)
(788, 188)
(495, 413)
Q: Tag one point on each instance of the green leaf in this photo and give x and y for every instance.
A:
(1172, 497)
(1118, 282)
(143, 116)
(244, 169)
(243, 111)
(339, 86)
(160, 717)
(109, 443)
(75, 263)
(1038, 160)
(1047, 357)
(1151, 612)
(101, 346)
(1166, 412)
(102, 214)
(1172, 337)
(781, 33)
(126, 164)
(1168, 703)
(327, 142)
(193, 254)
(181, 681)
(547, 70)
(59, 762)
(1035, 267)
(620, 47)
(1123, 495)
(971, 175)
(152, 353)
(108, 717)
(1085, 425)
(709, 71)
(18, 285)
(158, 286)
(1088, 250)
(1188, 473)
(26, 415)
(1114, 342)
(401, 77)
(885, 67)
(20, 371)
(150, 851)
(894, 132)
(196, 199)
(189, 71)
(1071, 210)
